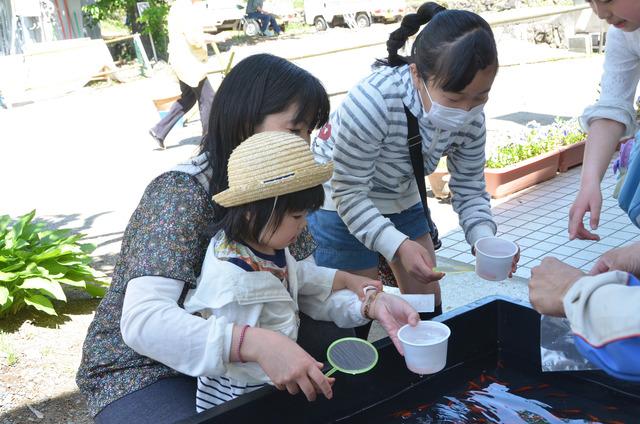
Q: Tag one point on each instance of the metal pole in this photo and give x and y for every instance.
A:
(153, 48)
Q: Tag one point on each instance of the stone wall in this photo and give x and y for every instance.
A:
(499, 5)
(553, 32)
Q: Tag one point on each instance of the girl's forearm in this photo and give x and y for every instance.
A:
(602, 140)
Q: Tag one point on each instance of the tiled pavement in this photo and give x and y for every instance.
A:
(537, 220)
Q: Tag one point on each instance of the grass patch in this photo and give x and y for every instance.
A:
(7, 351)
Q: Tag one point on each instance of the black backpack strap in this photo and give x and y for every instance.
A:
(417, 162)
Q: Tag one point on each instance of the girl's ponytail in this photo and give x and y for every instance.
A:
(411, 23)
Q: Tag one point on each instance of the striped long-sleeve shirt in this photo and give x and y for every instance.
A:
(366, 137)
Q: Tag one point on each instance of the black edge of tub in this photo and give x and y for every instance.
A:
(491, 326)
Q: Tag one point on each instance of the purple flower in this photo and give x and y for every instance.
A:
(625, 153)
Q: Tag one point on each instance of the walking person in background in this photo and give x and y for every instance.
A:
(372, 204)
(188, 57)
(613, 116)
(266, 19)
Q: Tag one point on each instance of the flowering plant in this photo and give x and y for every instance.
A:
(536, 140)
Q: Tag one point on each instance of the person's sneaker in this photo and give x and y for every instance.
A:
(157, 139)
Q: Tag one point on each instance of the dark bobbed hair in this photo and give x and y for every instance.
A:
(257, 86)
(249, 221)
(449, 51)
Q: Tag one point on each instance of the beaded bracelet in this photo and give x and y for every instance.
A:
(242, 332)
(367, 304)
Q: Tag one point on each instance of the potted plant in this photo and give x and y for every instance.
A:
(521, 164)
(439, 180)
(571, 143)
(536, 156)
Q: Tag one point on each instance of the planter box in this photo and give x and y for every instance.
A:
(571, 156)
(504, 181)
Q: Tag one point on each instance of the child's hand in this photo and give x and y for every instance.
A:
(392, 312)
(289, 366)
(354, 283)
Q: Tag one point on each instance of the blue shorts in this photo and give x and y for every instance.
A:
(338, 249)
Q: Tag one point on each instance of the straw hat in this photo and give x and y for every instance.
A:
(271, 164)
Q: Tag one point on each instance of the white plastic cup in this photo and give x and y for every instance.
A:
(494, 258)
(425, 346)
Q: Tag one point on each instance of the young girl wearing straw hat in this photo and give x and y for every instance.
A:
(254, 287)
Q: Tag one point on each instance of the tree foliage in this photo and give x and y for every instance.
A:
(152, 21)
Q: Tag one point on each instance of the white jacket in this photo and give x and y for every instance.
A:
(259, 299)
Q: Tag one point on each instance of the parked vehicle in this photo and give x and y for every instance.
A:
(329, 13)
(387, 11)
(223, 15)
(353, 13)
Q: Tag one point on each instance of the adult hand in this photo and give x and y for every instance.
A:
(392, 312)
(417, 261)
(589, 199)
(626, 258)
(549, 282)
(288, 365)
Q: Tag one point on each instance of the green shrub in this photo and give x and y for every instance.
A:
(35, 261)
(535, 141)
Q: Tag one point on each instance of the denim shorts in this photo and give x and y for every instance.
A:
(338, 249)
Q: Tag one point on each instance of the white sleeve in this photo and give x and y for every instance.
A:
(314, 280)
(342, 307)
(618, 84)
(155, 326)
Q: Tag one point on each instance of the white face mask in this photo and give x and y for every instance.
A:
(450, 118)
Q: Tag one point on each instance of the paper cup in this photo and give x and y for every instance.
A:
(425, 346)
(494, 258)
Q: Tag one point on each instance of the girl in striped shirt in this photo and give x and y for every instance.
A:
(372, 205)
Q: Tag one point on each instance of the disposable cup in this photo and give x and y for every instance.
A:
(425, 346)
(494, 258)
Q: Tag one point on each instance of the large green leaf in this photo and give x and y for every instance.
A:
(41, 303)
(56, 251)
(20, 244)
(50, 272)
(8, 276)
(72, 239)
(13, 267)
(30, 231)
(9, 239)
(21, 223)
(53, 268)
(53, 236)
(88, 247)
(80, 284)
(69, 261)
(95, 291)
(52, 288)
(4, 296)
(4, 223)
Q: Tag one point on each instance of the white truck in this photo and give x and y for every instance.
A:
(354, 13)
